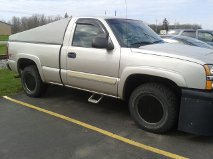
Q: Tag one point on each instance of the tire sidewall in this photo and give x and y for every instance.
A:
(31, 70)
(133, 108)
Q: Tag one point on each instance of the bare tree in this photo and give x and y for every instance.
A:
(25, 23)
(16, 24)
(66, 15)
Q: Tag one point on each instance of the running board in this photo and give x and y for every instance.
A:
(95, 98)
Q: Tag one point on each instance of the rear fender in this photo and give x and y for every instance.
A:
(34, 59)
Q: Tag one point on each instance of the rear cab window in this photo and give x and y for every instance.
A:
(205, 36)
(189, 34)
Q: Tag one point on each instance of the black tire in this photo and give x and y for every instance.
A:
(154, 107)
(32, 83)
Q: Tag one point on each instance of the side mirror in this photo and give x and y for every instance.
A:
(102, 42)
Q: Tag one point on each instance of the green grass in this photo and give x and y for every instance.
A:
(4, 37)
(3, 49)
(8, 83)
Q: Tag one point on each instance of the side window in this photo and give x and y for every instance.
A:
(205, 36)
(84, 35)
(189, 33)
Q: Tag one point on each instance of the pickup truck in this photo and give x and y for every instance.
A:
(200, 34)
(165, 85)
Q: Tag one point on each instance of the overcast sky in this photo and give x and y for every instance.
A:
(182, 11)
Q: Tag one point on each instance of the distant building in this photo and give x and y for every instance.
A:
(5, 29)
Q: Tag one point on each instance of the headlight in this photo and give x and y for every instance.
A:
(209, 76)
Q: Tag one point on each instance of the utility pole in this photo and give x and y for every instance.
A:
(115, 13)
(156, 26)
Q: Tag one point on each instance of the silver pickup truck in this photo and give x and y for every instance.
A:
(166, 85)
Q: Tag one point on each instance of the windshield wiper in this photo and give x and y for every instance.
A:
(158, 41)
(141, 43)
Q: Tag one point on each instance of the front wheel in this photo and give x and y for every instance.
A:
(31, 82)
(154, 107)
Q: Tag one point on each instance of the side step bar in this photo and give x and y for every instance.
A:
(95, 98)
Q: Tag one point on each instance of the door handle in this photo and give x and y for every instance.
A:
(72, 55)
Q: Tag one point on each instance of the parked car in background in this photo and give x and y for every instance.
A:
(200, 34)
(185, 40)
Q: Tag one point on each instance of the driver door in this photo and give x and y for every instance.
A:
(91, 68)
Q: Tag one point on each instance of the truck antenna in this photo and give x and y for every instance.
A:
(126, 8)
(126, 19)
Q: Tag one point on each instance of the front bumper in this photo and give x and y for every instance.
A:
(196, 112)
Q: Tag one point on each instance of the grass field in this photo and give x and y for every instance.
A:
(4, 37)
(8, 83)
(3, 49)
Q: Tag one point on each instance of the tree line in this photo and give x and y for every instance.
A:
(166, 26)
(24, 23)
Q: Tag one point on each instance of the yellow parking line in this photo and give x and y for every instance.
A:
(104, 132)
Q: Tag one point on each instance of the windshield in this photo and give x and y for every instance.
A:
(133, 33)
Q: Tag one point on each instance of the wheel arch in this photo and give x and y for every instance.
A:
(129, 81)
(135, 80)
(25, 60)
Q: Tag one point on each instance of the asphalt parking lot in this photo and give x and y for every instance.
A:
(27, 132)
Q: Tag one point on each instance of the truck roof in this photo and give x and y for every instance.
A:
(52, 33)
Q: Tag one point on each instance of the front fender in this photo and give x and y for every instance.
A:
(152, 71)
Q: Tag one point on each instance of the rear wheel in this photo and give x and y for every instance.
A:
(154, 107)
(31, 82)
